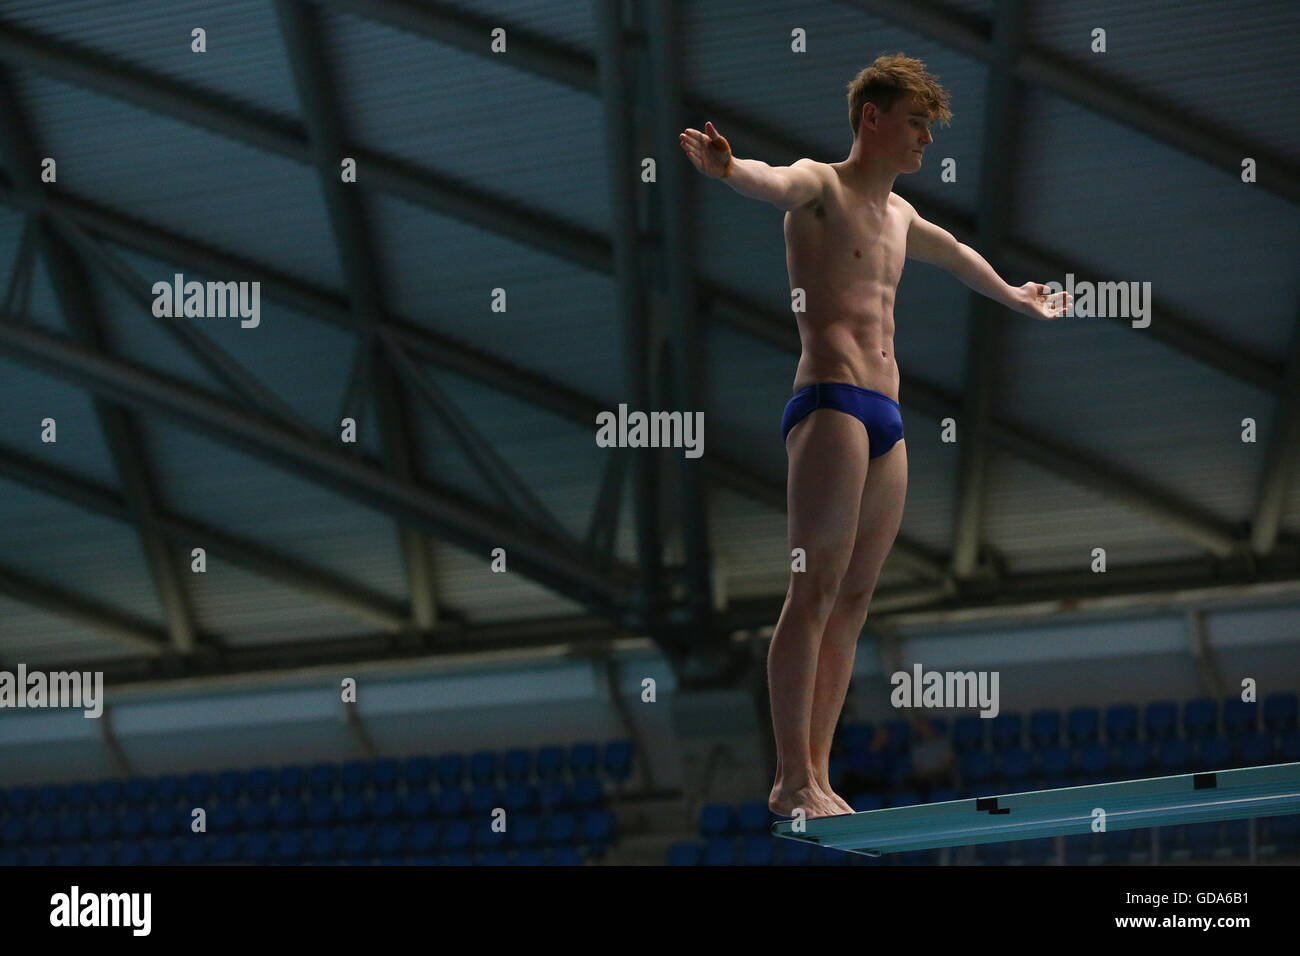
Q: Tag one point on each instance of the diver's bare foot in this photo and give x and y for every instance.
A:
(812, 800)
(834, 797)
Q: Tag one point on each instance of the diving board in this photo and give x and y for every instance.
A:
(1129, 805)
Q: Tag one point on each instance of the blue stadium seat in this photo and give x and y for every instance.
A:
(1094, 763)
(42, 828)
(566, 856)
(1007, 731)
(384, 806)
(1239, 717)
(1121, 724)
(79, 796)
(685, 854)
(716, 820)
(494, 858)
(108, 793)
(325, 843)
(320, 811)
(353, 776)
(968, 734)
(855, 735)
(99, 854)
(458, 858)
(384, 773)
(530, 858)
(1054, 763)
(21, 799)
(231, 785)
(525, 830)
(200, 788)
(50, 797)
(484, 798)
(1017, 765)
(225, 848)
(261, 781)
(357, 843)
(425, 837)
(129, 854)
(290, 782)
(1214, 753)
(322, 778)
(1200, 718)
(1280, 712)
(222, 818)
(900, 736)
(1133, 760)
(759, 851)
(138, 791)
(451, 802)
(554, 795)
(1289, 746)
(72, 827)
(288, 813)
(67, 855)
(1283, 832)
(417, 804)
(559, 828)
(256, 847)
(587, 792)
(418, 771)
(353, 808)
(451, 770)
(941, 795)
(550, 763)
(1039, 851)
(390, 839)
(254, 815)
(1045, 728)
(1173, 756)
(101, 825)
(720, 852)
(582, 759)
(1082, 726)
(1160, 720)
(290, 847)
(517, 765)
(618, 760)
(976, 769)
(1254, 750)
(456, 835)
(753, 817)
(483, 767)
(521, 797)
(596, 827)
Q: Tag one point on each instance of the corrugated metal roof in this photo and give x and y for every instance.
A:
(560, 319)
(183, 178)
(1214, 248)
(1231, 67)
(474, 119)
(245, 56)
(739, 54)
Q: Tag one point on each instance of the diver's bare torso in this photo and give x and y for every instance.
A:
(847, 254)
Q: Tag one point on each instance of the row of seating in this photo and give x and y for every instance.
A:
(593, 830)
(518, 799)
(449, 771)
(1276, 837)
(292, 848)
(1097, 763)
(1201, 718)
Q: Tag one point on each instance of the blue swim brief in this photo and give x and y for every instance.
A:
(878, 412)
